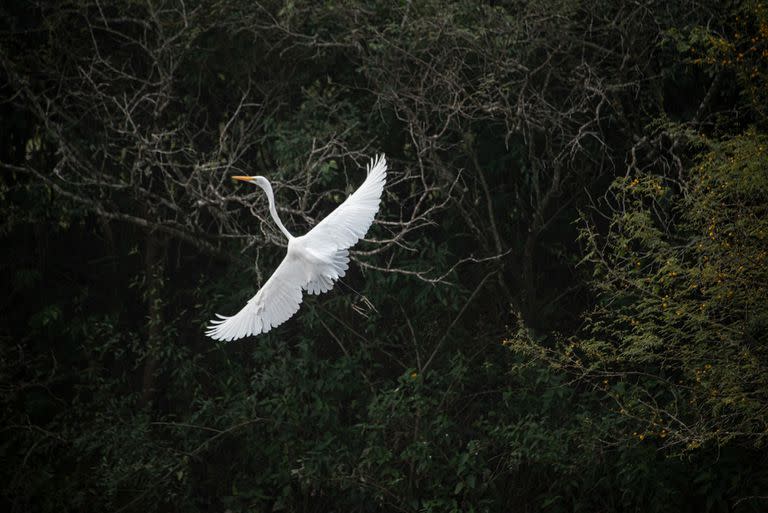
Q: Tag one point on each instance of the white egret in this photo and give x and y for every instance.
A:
(312, 262)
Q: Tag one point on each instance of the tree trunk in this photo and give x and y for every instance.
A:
(154, 263)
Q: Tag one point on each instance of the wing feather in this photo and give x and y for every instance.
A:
(273, 304)
(350, 221)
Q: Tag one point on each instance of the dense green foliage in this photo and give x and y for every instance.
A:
(563, 306)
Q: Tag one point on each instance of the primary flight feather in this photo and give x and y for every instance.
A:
(313, 261)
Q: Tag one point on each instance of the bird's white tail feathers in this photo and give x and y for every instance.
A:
(328, 274)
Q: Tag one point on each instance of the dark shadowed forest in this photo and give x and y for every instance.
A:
(561, 306)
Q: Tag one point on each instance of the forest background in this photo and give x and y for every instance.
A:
(561, 305)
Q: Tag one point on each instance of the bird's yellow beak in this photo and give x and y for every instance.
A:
(242, 178)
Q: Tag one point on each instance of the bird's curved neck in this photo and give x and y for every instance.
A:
(273, 211)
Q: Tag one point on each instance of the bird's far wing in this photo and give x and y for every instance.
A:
(273, 304)
(350, 221)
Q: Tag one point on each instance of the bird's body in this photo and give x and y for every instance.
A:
(313, 261)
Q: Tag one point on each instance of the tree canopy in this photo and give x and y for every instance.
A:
(562, 304)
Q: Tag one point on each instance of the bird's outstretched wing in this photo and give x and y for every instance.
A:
(273, 304)
(350, 221)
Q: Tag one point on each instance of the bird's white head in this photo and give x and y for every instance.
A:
(258, 180)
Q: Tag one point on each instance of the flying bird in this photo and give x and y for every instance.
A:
(313, 261)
